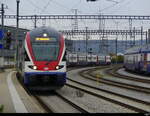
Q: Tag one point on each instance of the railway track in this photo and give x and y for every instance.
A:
(45, 101)
(57, 103)
(123, 100)
(114, 72)
(92, 76)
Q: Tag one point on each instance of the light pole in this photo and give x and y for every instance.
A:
(2, 18)
(18, 1)
(86, 41)
(2, 28)
(116, 36)
(116, 41)
(17, 26)
(35, 21)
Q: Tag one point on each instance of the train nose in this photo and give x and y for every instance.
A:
(46, 68)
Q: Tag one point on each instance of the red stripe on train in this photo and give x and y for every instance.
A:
(43, 65)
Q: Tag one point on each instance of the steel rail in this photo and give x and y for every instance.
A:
(46, 107)
(82, 110)
(114, 72)
(135, 108)
(111, 99)
(113, 83)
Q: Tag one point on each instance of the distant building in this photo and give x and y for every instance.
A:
(93, 46)
(96, 46)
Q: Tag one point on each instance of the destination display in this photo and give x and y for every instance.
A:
(45, 39)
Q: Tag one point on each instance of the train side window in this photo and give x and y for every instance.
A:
(136, 58)
(127, 59)
(26, 57)
(148, 57)
(141, 57)
(145, 57)
(64, 57)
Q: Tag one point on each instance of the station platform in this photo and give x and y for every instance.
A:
(13, 96)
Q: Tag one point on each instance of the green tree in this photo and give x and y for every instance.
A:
(1, 108)
(120, 59)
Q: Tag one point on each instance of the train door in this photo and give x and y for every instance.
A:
(145, 62)
(77, 59)
(148, 57)
(97, 60)
(134, 58)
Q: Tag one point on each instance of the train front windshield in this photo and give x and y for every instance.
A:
(46, 51)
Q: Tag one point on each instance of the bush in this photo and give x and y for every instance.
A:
(120, 59)
(1, 108)
(117, 59)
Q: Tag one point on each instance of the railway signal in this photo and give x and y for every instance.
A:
(1, 37)
(8, 40)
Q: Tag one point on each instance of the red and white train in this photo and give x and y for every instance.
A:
(41, 60)
(83, 59)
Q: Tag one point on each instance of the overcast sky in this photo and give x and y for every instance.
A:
(120, 7)
(131, 7)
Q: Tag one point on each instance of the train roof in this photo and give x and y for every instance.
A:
(137, 49)
(133, 50)
(145, 48)
(44, 29)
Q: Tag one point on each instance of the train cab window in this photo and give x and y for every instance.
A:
(41, 51)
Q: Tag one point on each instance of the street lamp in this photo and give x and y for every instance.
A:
(18, 1)
(17, 26)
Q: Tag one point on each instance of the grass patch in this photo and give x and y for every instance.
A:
(1, 108)
(99, 75)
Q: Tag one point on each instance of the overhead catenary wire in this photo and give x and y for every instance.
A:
(113, 5)
(45, 7)
(33, 4)
(67, 9)
(42, 9)
(125, 3)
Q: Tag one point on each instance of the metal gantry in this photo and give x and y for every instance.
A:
(124, 17)
(103, 32)
(131, 31)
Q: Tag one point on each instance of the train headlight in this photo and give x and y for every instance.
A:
(34, 67)
(45, 34)
(57, 67)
